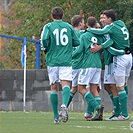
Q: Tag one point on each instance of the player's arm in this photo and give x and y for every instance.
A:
(107, 43)
(45, 37)
(104, 45)
(78, 49)
(43, 49)
(114, 51)
(105, 30)
(75, 39)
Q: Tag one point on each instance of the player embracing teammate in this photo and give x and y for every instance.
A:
(122, 63)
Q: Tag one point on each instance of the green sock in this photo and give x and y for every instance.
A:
(123, 102)
(126, 89)
(98, 99)
(91, 100)
(111, 96)
(116, 105)
(89, 108)
(65, 95)
(70, 98)
(54, 103)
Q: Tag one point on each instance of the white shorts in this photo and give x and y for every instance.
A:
(58, 73)
(109, 74)
(122, 66)
(75, 74)
(89, 75)
(99, 85)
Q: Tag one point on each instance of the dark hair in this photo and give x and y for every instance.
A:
(110, 14)
(76, 19)
(57, 12)
(91, 21)
(102, 12)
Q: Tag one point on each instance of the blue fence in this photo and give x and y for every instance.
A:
(37, 42)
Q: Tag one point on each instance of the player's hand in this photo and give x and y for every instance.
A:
(95, 48)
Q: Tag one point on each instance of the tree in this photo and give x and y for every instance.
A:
(27, 18)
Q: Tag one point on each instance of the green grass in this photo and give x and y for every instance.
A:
(42, 122)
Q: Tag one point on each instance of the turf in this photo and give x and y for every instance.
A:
(42, 122)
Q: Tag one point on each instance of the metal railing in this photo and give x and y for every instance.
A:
(37, 42)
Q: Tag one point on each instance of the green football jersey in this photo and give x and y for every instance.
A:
(87, 40)
(59, 38)
(109, 52)
(79, 32)
(77, 60)
(108, 57)
(118, 33)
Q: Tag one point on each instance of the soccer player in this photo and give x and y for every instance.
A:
(89, 109)
(77, 22)
(90, 73)
(121, 63)
(59, 38)
(109, 81)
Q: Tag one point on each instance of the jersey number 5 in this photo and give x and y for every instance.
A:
(61, 37)
(124, 31)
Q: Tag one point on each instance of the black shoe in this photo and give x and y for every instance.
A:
(99, 114)
(101, 109)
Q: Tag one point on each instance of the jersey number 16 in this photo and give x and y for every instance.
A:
(61, 37)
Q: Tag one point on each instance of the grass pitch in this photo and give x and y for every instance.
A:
(42, 122)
